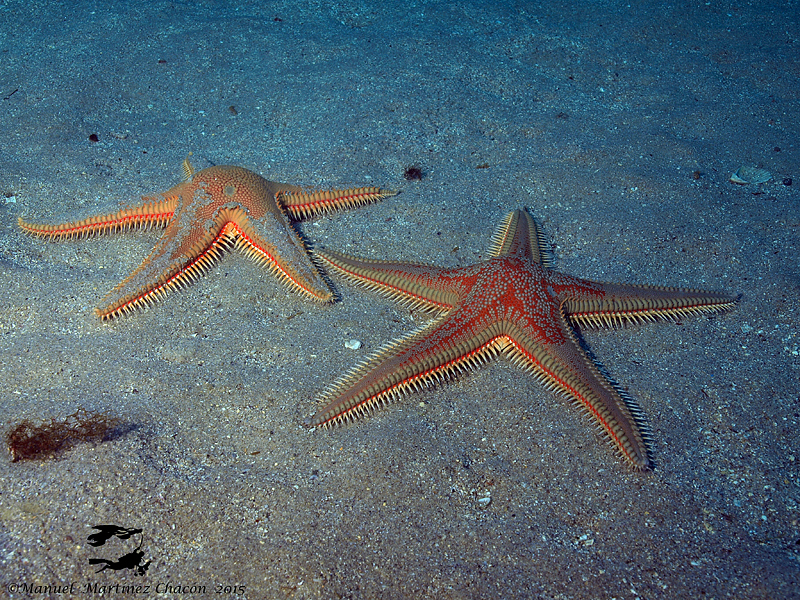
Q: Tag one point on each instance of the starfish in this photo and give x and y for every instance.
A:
(213, 209)
(512, 304)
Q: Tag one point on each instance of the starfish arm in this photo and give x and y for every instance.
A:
(415, 285)
(617, 304)
(187, 250)
(180, 255)
(560, 364)
(518, 234)
(276, 245)
(441, 349)
(303, 204)
(154, 212)
(432, 353)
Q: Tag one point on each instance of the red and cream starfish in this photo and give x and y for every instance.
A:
(214, 209)
(511, 304)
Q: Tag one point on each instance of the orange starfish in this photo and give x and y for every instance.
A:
(511, 304)
(214, 209)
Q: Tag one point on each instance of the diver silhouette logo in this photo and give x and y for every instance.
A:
(131, 560)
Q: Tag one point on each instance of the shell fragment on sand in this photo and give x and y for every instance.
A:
(745, 175)
(352, 344)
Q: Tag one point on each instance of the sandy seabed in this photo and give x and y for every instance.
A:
(617, 126)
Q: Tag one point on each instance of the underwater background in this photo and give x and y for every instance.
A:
(617, 124)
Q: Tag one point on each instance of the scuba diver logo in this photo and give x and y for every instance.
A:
(131, 560)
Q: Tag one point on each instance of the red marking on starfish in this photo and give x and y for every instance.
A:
(511, 304)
